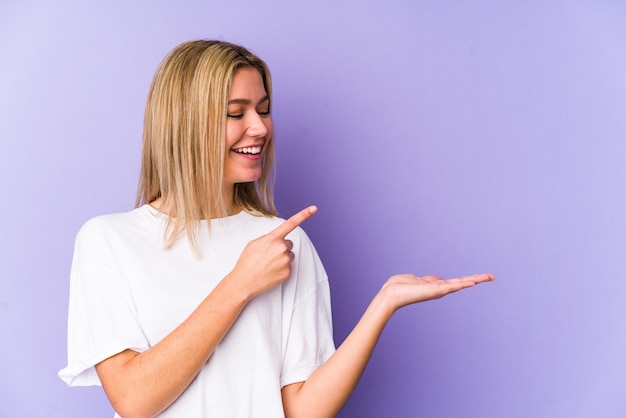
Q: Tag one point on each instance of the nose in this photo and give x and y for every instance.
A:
(257, 125)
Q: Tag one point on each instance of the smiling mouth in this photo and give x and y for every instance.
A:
(249, 150)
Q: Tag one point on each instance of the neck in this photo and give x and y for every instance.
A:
(228, 195)
(162, 205)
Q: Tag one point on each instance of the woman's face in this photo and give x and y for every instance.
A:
(248, 127)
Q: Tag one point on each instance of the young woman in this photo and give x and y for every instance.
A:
(201, 302)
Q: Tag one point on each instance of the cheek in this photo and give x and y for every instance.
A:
(232, 134)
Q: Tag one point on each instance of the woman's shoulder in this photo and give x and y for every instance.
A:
(99, 225)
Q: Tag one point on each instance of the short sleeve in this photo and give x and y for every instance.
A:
(309, 340)
(102, 319)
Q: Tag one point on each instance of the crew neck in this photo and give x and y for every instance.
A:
(156, 214)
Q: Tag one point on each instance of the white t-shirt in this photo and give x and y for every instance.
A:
(128, 292)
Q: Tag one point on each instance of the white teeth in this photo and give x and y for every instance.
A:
(249, 150)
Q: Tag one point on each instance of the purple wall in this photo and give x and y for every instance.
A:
(436, 138)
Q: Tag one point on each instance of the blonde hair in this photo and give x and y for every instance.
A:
(184, 138)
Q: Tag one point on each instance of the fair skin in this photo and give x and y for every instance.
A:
(249, 129)
(144, 384)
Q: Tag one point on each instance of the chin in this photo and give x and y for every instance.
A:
(248, 179)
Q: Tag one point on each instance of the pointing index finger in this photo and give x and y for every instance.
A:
(295, 221)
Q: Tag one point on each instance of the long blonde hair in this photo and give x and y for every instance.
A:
(184, 138)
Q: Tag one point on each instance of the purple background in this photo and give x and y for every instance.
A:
(437, 137)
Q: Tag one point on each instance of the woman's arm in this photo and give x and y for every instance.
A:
(143, 385)
(328, 389)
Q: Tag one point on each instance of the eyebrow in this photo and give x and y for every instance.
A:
(246, 101)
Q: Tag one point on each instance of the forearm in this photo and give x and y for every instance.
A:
(147, 383)
(328, 389)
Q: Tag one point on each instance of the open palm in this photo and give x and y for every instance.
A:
(405, 289)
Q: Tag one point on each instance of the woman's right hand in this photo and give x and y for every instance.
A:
(266, 261)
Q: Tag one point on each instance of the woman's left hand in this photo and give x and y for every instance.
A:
(405, 289)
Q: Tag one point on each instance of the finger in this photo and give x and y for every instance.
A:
(459, 281)
(475, 278)
(480, 278)
(293, 222)
(451, 286)
(289, 244)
